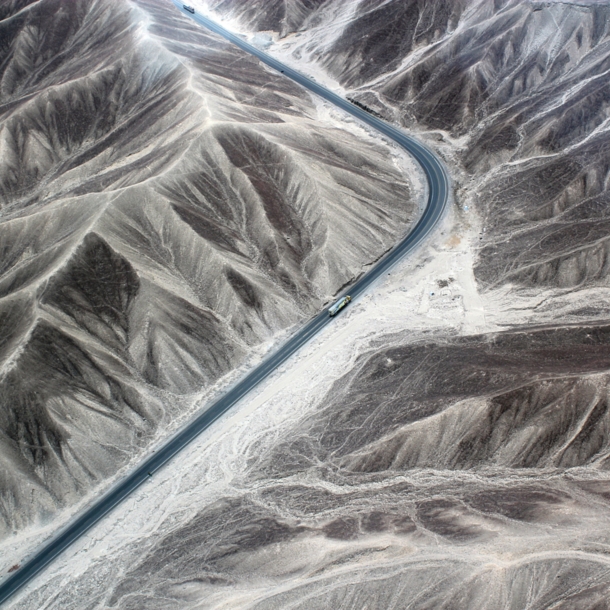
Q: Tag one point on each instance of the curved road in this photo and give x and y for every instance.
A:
(438, 185)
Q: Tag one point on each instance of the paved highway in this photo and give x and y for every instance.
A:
(438, 191)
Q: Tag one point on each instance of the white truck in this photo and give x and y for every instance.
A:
(339, 305)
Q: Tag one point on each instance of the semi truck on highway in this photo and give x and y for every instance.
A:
(188, 8)
(340, 304)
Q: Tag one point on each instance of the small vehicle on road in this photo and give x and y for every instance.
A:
(339, 305)
(188, 8)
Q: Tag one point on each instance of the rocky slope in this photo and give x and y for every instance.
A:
(167, 207)
(518, 89)
(446, 445)
(468, 473)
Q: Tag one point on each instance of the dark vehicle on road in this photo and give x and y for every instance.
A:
(340, 304)
(188, 8)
